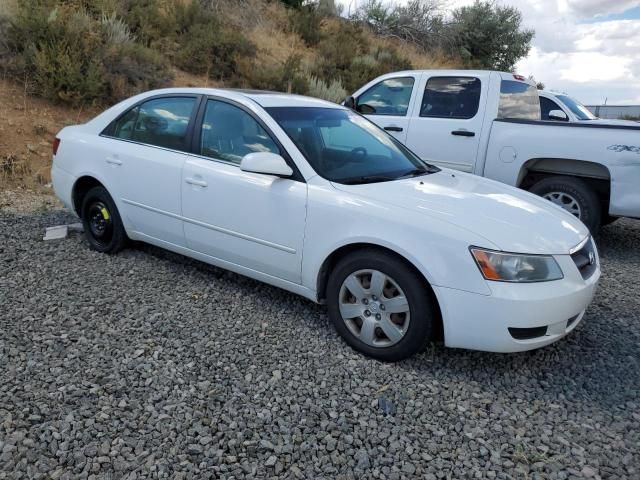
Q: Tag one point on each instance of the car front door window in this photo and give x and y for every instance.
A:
(229, 133)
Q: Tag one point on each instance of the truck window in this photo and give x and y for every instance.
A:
(451, 97)
(389, 97)
(518, 100)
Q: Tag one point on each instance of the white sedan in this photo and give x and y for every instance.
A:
(313, 198)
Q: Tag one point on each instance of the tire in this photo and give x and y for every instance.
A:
(101, 221)
(373, 329)
(561, 190)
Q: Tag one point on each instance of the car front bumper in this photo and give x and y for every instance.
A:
(517, 316)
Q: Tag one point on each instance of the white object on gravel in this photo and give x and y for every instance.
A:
(60, 232)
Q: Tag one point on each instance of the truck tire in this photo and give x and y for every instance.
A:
(575, 196)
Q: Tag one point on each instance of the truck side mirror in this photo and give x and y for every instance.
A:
(558, 115)
(350, 102)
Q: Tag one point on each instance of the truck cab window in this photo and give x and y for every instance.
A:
(546, 106)
(389, 97)
(451, 97)
(518, 100)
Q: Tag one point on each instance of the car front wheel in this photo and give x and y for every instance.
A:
(380, 306)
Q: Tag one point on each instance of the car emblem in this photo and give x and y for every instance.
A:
(592, 258)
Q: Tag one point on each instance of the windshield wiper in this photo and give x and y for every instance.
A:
(366, 179)
(417, 172)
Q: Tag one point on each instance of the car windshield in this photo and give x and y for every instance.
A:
(344, 147)
(577, 108)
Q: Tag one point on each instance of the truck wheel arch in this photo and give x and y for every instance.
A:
(595, 174)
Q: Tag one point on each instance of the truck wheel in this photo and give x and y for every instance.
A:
(380, 306)
(575, 196)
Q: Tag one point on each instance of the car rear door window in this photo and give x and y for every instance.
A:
(229, 133)
(451, 97)
(388, 97)
(162, 122)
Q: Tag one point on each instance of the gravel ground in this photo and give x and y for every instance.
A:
(151, 365)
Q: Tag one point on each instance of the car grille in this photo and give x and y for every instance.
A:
(585, 259)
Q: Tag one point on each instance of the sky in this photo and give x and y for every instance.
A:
(589, 49)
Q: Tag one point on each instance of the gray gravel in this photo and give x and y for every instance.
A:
(151, 365)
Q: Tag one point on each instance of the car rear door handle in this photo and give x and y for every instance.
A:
(194, 181)
(393, 129)
(113, 161)
(463, 133)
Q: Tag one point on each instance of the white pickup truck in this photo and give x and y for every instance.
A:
(488, 123)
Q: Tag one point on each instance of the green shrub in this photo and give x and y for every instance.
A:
(287, 77)
(305, 21)
(357, 65)
(332, 91)
(207, 48)
(69, 55)
(378, 62)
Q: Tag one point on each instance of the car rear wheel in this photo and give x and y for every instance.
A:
(575, 196)
(101, 220)
(380, 306)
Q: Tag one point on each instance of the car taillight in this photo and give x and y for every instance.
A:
(56, 144)
(522, 78)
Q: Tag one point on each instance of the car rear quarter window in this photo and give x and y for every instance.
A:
(388, 97)
(518, 100)
(161, 122)
(451, 97)
(123, 126)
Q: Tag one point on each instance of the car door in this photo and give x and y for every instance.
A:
(144, 150)
(248, 219)
(446, 122)
(387, 104)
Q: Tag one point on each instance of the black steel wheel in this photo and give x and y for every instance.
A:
(102, 223)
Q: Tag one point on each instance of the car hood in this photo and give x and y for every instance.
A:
(512, 219)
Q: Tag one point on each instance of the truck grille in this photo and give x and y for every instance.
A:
(585, 259)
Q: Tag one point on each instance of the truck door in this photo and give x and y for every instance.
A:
(387, 103)
(447, 120)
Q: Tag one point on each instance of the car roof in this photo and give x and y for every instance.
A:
(264, 98)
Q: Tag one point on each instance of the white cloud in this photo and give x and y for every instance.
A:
(600, 7)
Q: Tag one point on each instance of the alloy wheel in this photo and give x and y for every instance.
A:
(569, 203)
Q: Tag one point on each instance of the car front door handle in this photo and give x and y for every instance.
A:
(113, 161)
(393, 129)
(463, 133)
(195, 181)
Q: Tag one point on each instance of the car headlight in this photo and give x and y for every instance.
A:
(513, 267)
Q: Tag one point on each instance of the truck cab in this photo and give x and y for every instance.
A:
(489, 123)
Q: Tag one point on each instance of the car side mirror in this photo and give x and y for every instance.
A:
(558, 115)
(266, 163)
(350, 102)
